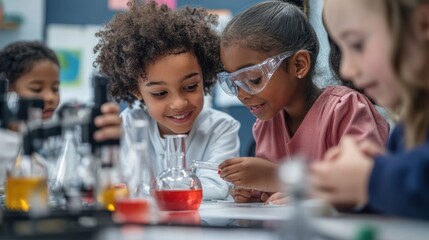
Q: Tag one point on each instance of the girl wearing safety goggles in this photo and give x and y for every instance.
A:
(269, 52)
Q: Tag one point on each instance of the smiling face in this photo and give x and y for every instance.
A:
(42, 81)
(361, 32)
(173, 92)
(279, 93)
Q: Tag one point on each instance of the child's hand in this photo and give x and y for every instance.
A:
(242, 195)
(278, 198)
(342, 177)
(370, 148)
(251, 172)
(109, 123)
(366, 147)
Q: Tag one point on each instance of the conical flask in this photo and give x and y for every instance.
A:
(176, 188)
(65, 181)
(67, 163)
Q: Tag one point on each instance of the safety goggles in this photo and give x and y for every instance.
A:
(251, 79)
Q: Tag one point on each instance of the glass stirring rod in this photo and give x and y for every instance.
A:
(205, 165)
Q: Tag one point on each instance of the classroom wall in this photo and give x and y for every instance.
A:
(97, 12)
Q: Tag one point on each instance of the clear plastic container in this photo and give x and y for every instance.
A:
(177, 188)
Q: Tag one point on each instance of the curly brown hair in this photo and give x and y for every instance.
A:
(137, 38)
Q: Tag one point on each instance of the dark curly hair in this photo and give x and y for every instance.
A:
(138, 37)
(18, 58)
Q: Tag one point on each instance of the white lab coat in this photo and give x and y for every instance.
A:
(213, 138)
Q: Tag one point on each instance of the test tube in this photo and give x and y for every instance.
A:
(205, 165)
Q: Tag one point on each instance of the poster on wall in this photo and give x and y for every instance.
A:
(70, 62)
(74, 45)
(170, 3)
(120, 5)
(117, 5)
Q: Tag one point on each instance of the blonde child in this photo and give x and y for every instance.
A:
(168, 60)
(385, 52)
(269, 52)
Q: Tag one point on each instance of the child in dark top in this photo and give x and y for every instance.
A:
(384, 47)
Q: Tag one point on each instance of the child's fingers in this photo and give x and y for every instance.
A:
(241, 199)
(226, 171)
(110, 107)
(331, 154)
(265, 196)
(279, 201)
(244, 193)
(329, 196)
(277, 196)
(229, 162)
(108, 133)
(232, 178)
(321, 175)
(108, 120)
(240, 194)
(370, 148)
(347, 140)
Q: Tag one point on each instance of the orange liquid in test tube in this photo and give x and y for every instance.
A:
(110, 194)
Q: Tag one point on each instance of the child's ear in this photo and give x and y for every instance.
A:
(138, 95)
(423, 12)
(302, 63)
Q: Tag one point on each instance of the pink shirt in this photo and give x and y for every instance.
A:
(337, 112)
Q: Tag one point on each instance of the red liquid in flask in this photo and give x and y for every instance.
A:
(179, 200)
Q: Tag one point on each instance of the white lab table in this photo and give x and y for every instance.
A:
(325, 222)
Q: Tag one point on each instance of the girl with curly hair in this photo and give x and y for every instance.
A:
(167, 60)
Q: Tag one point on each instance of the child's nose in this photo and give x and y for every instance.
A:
(49, 97)
(179, 103)
(242, 95)
(348, 69)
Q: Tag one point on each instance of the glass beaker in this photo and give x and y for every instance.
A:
(137, 169)
(112, 185)
(176, 188)
(26, 182)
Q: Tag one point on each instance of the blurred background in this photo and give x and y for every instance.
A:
(68, 27)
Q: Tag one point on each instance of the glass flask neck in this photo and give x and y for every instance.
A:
(175, 151)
